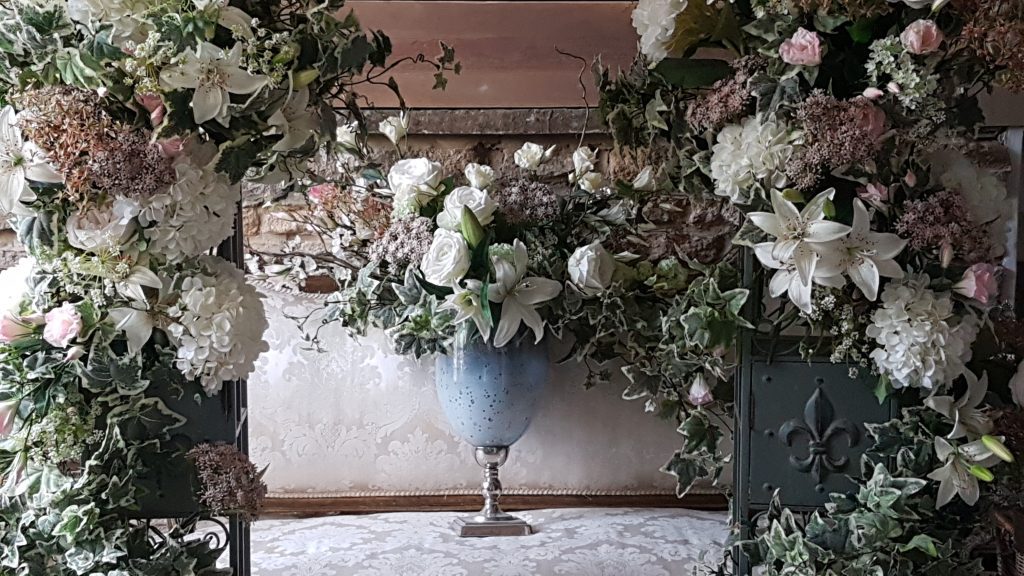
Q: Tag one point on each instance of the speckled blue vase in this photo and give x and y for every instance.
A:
(490, 394)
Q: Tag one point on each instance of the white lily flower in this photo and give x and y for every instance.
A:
(968, 418)
(519, 295)
(955, 476)
(20, 162)
(468, 305)
(866, 256)
(295, 121)
(139, 276)
(394, 127)
(800, 239)
(214, 75)
(137, 326)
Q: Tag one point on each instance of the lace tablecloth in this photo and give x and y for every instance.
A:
(568, 542)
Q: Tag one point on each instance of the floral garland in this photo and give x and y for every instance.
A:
(838, 128)
(125, 129)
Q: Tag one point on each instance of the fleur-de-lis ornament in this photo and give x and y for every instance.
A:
(820, 426)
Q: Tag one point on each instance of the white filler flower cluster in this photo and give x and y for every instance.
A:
(921, 342)
(218, 324)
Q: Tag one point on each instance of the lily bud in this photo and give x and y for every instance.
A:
(997, 448)
(793, 195)
(302, 78)
(982, 473)
(472, 231)
(945, 254)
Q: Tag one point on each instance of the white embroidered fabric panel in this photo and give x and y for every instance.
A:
(360, 419)
(574, 542)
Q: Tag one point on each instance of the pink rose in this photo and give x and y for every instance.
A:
(980, 282)
(154, 105)
(8, 412)
(321, 192)
(922, 37)
(62, 325)
(13, 328)
(803, 49)
(700, 394)
(870, 118)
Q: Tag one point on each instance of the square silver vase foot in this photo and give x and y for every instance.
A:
(479, 526)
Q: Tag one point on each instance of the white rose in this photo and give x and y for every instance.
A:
(394, 127)
(584, 159)
(414, 180)
(591, 182)
(645, 181)
(447, 261)
(479, 175)
(477, 200)
(103, 228)
(531, 156)
(591, 268)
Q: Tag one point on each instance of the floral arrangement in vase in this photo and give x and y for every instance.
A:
(125, 130)
(841, 130)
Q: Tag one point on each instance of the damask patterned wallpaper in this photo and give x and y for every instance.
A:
(359, 419)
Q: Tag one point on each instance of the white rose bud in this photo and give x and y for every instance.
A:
(584, 160)
(414, 181)
(394, 127)
(447, 261)
(477, 200)
(479, 176)
(591, 182)
(645, 181)
(591, 268)
(531, 156)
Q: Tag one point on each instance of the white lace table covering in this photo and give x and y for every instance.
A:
(568, 542)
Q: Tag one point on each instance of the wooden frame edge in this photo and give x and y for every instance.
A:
(335, 506)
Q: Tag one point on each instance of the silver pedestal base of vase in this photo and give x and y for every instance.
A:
(491, 521)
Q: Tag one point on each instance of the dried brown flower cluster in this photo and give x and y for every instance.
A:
(90, 149)
(229, 482)
(727, 99)
(406, 241)
(524, 202)
(838, 133)
(994, 32)
(942, 221)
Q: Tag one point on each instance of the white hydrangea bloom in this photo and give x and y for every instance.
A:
(14, 285)
(922, 343)
(655, 22)
(217, 324)
(750, 154)
(192, 216)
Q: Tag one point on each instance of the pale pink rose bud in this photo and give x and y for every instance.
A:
(699, 393)
(871, 119)
(74, 353)
(154, 105)
(873, 93)
(803, 49)
(13, 328)
(62, 325)
(910, 179)
(979, 282)
(922, 37)
(875, 194)
(8, 413)
(893, 87)
(945, 254)
(171, 147)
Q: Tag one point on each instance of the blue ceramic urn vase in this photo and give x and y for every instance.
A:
(489, 396)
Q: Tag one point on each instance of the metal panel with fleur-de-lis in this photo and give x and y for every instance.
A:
(806, 433)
